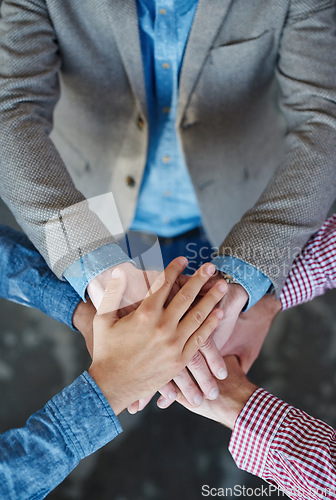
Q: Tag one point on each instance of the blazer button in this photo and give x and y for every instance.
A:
(141, 123)
(130, 181)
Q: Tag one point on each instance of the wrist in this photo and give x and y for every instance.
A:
(232, 403)
(97, 286)
(110, 388)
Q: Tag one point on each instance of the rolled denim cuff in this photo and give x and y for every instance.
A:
(80, 273)
(85, 416)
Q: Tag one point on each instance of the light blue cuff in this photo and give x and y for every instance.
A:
(80, 273)
(254, 281)
(87, 420)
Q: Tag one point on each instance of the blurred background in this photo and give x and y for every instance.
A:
(162, 455)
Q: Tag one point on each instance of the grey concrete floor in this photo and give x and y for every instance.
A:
(162, 455)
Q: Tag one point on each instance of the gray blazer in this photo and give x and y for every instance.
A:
(73, 121)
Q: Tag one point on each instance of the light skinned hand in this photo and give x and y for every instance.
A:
(234, 392)
(232, 304)
(136, 355)
(137, 285)
(200, 376)
(251, 330)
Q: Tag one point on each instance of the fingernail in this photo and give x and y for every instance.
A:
(219, 314)
(222, 373)
(116, 273)
(198, 399)
(210, 269)
(162, 402)
(183, 261)
(214, 393)
(172, 396)
(222, 287)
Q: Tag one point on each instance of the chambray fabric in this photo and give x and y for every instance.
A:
(26, 279)
(167, 203)
(73, 424)
(70, 133)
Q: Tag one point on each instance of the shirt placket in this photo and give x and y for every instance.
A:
(165, 57)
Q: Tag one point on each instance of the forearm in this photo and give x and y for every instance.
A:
(314, 270)
(27, 280)
(297, 199)
(286, 447)
(72, 425)
(35, 182)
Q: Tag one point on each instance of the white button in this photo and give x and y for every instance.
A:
(166, 159)
(166, 65)
(166, 193)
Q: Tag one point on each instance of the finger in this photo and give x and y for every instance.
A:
(133, 408)
(168, 395)
(201, 310)
(160, 290)
(214, 358)
(186, 296)
(204, 378)
(112, 296)
(139, 405)
(199, 337)
(188, 388)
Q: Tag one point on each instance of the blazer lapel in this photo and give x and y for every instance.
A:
(124, 20)
(208, 19)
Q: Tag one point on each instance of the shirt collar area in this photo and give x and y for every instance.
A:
(181, 6)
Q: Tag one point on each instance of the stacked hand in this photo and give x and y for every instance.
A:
(238, 333)
(234, 392)
(136, 355)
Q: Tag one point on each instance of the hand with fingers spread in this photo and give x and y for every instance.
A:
(208, 361)
(135, 356)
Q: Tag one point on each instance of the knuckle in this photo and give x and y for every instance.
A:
(198, 317)
(207, 345)
(196, 362)
(186, 296)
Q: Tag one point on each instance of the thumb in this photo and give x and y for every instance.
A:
(112, 296)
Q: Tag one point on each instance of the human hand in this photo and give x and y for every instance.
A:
(82, 319)
(135, 356)
(250, 331)
(137, 285)
(234, 392)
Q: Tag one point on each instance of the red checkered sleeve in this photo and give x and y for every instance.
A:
(314, 270)
(289, 449)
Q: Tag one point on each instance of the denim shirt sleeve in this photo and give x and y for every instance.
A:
(80, 273)
(36, 458)
(27, 280)
(254, 281)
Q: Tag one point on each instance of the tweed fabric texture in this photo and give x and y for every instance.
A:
(73, 120)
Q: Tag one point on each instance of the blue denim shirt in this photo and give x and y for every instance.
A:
(27, 280)
(37, 457)
(167, 203)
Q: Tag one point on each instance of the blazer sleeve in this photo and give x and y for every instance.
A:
(35, 183)
(297, 199)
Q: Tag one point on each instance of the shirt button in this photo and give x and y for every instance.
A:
(166, 110)
(141, 123)
(166, 65)
(166, 194)
(166, 159)
(130, 181)
(163, 12)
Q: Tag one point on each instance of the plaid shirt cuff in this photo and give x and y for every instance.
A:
(255, 429)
